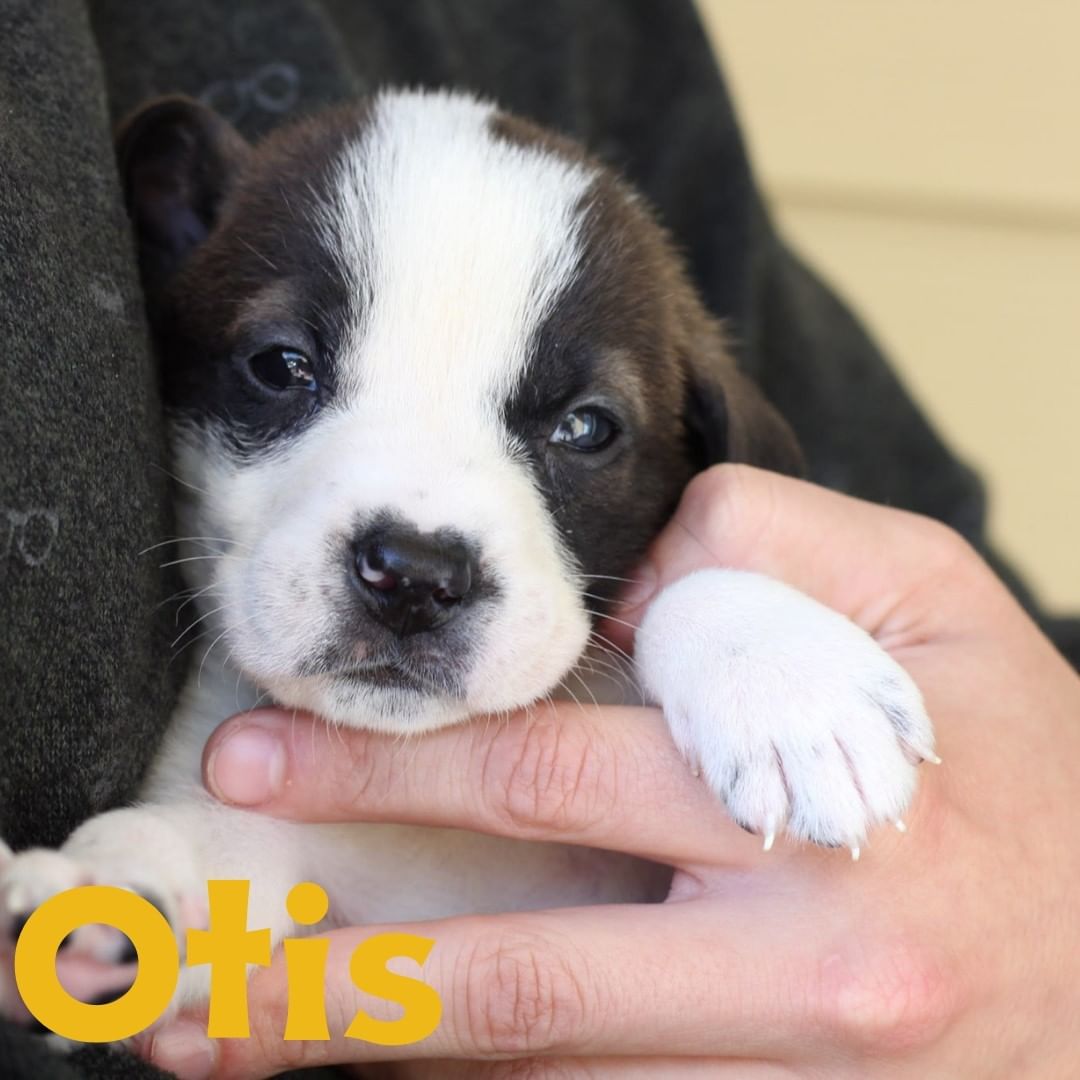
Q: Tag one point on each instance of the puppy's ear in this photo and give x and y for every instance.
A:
(727, 417)
(177, 160)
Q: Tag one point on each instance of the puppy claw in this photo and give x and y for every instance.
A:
(919, 754)
(770, 837)
(901, 826)
(693, 763)
(855, 852)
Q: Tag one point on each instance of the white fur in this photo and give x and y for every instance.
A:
(455, 244)
(794, 716)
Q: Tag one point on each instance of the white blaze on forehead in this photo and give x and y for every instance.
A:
(455, 245)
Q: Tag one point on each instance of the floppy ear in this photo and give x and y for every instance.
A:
(727, 417)
(177, 160)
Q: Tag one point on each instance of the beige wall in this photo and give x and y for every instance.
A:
(925, 156)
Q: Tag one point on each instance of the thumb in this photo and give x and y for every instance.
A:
(898, 575)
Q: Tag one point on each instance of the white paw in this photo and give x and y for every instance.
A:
(795, 716)
(126, 848)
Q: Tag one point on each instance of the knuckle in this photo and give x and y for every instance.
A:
(943, 543)
(544, 775)
(731, 502)
(711, 493)
(898, 999)
(722, 480)
(949, 563)
(522, 997)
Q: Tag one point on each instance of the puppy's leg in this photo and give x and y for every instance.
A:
(167, 854)
(795, 716)
(11, 1006)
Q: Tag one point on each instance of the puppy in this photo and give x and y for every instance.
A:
(435, 380)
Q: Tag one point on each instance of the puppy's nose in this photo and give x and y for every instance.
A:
(412, 581)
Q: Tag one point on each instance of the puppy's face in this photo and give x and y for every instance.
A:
(435, 381)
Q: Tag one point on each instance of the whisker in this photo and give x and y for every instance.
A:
(608, 668)
(608, 577)
(608, 645)
(187, 645)
(264, 696)
(611, 618)
(586, 686)
(199, 558)
(596, 596)
(173, 597)
(201, 592)
(202, 618)
(227, 630)
(415, 750)
(195, 540)
(257, 254)
(618, 673)
(239, 677)
(625, 670)
(576, 700)
(585, 665)
(614, 665)
(179, 480)
(341, 738)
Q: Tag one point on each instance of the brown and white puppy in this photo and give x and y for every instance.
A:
(436, 378)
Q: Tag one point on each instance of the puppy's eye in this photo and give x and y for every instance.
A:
(587, 430)
(283, 369)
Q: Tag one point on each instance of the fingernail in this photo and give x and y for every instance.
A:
(183, 1048)
(646, 580)
(247, 768)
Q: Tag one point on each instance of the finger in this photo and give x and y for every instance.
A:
(566, 985)
(607, 778)
(863, 560)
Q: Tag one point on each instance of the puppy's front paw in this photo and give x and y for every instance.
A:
(126, 848)
(795, 716)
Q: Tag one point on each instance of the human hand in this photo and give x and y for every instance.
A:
(949, 952)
